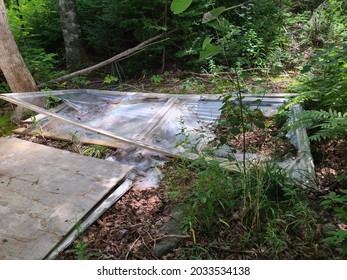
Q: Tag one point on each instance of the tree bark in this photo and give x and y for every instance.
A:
(12, 65)
(72, 33)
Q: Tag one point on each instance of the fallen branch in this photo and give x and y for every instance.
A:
(117, 57)
(160, 237)
(136, 88)
(207, 75)
(225, 249)
(149, 250)
(131, 247)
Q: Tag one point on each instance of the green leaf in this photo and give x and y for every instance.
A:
(222, 141)
(306, 69)
(213, 14)
(208, 49)
(206, 42)
(259, 124)
(235, 131)
(209, 52)
(224, 123)
(344, 249)
(179, 6)
(332, 240)
(326, 202)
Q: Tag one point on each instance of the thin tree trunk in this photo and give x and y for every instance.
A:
(72, 33)
(12, 65)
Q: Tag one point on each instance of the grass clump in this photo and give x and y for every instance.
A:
(259, 210)
(96, 151)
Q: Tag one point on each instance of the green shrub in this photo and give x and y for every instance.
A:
(36, 28)
(42, 65)
(36, 23)
(337, 202)
(323, 91)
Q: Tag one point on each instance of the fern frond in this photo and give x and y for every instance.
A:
(324, 85)
(299, 99)
(331, 124)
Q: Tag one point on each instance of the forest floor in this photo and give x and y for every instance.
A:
(132, 227)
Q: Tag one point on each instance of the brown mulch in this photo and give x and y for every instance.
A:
(265, 142)
(269, 141)
(129, 229)
(331, 164)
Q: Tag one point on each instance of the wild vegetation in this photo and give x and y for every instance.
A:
(229, 47)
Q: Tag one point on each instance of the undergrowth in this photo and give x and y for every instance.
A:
(260, 210)
(338, 203)
(322, 90)
(96, 151)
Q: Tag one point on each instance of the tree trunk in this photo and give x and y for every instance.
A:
(72, 33)
(12, 65)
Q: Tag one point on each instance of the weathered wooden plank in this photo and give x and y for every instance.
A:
(44, 192)
(40, 117)
(100, 209)
(111, 143)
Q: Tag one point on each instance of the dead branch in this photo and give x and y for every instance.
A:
(139, 257)
(131, 247)
(160, 237)
(226, 249)
(207, 75)
(236, 6)
(117, 57)
(149, 250)
(136, 88)
(171, 236)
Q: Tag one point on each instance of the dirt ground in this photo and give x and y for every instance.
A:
(128, 230)
(331, 164)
